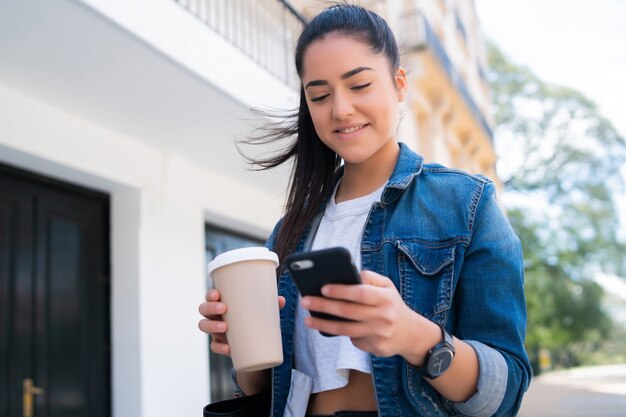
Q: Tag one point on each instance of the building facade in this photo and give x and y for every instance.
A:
(450, 102)
(119, 178)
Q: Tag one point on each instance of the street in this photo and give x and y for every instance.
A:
(591, 392)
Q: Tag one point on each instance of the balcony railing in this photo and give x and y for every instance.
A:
(265, 30)
(418, 35)
(460, 26)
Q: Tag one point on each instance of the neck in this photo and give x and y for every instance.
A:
(368, 176)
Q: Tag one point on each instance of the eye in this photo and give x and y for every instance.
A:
(319, 98)
(361, 87)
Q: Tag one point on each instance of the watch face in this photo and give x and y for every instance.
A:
(440, 361)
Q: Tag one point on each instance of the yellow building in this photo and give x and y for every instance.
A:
(450, 96)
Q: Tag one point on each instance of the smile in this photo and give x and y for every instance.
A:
(351, 129)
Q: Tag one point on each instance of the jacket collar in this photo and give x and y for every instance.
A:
(409, 166)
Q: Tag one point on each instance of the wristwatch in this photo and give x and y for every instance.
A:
(439, 358)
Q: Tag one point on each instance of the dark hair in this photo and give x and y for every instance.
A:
(315, 165)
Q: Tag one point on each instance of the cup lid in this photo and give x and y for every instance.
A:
(243, 254)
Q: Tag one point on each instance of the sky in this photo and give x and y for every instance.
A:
(575, 43)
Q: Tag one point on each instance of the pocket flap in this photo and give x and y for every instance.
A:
(426, 259)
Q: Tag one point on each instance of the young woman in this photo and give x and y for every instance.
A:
(438, 324)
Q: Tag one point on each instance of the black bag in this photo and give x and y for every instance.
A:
(257, 405)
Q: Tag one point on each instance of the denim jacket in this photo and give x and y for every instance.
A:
(441, 237)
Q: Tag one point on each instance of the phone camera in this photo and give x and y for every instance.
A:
(302, 264)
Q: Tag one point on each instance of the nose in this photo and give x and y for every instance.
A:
(342, 106)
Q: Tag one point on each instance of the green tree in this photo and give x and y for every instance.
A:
(559, 161)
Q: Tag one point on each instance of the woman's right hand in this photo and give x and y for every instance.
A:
(213, 323)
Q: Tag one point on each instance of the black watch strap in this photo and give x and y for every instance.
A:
(439, 358)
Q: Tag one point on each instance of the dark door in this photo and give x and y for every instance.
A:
(54, 298)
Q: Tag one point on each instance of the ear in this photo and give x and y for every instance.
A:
(402, 84)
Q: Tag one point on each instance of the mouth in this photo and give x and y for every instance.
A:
(351, 129)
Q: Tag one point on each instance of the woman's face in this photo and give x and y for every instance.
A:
(352, 97)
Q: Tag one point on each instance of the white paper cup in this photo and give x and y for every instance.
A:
(246, 279)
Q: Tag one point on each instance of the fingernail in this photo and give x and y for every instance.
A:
(306, 302)
(325, 290)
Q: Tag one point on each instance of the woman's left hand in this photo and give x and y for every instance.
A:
(382, 323)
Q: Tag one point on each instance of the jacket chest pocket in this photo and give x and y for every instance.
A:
(426, 277)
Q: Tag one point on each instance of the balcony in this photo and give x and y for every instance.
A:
(154, 72)
(265, 30)
(417, 36)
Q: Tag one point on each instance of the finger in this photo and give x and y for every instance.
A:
(341, 328)
(213, 327)
(213, 295)
(212, 308)
(340, 308)
(220, 348)
(281, 301)
(375, 279)
(360, 294)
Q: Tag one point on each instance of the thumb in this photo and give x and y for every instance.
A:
(375, 279)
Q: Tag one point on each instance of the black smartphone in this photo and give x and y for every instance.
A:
(312, 270)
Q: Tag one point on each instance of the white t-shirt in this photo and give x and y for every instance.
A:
(328, 360)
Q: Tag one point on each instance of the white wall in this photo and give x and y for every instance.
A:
(168, 27)
(159, 205)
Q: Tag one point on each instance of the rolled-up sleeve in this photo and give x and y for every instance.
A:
(492, 381)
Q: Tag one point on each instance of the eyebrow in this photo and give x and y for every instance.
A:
(343, 77)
